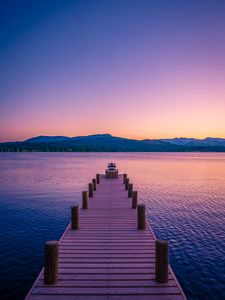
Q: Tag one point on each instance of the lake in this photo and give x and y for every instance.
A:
(184, 194)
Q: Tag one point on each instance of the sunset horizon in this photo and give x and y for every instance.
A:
(110, 133)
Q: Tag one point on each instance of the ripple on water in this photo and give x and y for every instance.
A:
(184, 194)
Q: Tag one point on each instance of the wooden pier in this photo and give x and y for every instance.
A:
(107, 257)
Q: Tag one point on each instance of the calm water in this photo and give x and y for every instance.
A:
(184, 193)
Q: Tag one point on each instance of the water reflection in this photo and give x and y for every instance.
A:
(184, 193)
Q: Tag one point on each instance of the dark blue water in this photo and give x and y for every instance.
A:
(185, 195)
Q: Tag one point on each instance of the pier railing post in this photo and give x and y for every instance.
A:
(126, 183)
(75, 217)
(94, 184)
(84, 199)
(134, 199)
(141, 216)
(130, 190)
(161, 261)
(51, 262)
(124, 178)
(98, 178)
(90, 189)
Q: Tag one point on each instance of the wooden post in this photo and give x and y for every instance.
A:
(161, 261)
(134, 199)
(98, 178)
(141, 216)
(94, 184)
(124, 178)
(90, 189)
(75, 217)
(130, 190)
(126, 183)
(51, 262)
(84, 199)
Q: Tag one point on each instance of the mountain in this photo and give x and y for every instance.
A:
(109, 143)
(214, 141)
(196, 142)
(49, 139)
(44, 139)
(179, 141)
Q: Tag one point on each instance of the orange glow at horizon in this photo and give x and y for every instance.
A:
(122, 74)
(139, 112)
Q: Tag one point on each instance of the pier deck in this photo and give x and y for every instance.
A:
(107, 257)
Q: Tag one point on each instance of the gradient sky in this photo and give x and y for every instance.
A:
(137, 69)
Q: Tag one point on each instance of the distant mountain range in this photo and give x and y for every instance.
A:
(109, 143)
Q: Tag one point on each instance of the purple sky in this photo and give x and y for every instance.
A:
(141, 69)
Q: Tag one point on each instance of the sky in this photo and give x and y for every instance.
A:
(136, 69)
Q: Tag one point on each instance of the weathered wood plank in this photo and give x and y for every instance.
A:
(106, 290)
(108, 251)
(100, 260)
(107, 266)
(106, 297)
(115, 283)
(108, 271)
(110, 277)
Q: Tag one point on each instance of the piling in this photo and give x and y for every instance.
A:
(124, 178)
(126, 184)
(90, 189)
(94, 183)
(134, 199)
(98, 178)
(51, 262)
(130, 190)
(75, 217)
(84, 199)
(161, 261)
(141, 216)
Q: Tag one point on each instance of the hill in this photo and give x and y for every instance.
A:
(109, 143)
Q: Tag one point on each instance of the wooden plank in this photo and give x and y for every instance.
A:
(106, 297)
(107, 271)
(122, 270)
(100, 260)
(115, 283)
(105, 256)
(108, 251)
(110, 277)
(106, 290)
(108, 257)
(107, 266)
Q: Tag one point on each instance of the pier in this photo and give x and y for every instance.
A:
(108, 251)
